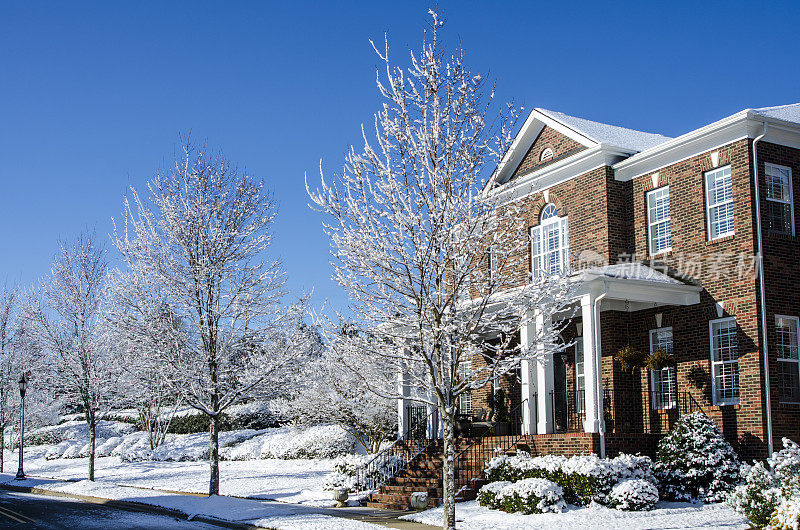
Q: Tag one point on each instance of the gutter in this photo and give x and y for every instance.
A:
(598, 367)
(762, 290)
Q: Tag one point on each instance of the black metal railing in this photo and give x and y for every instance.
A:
(390, 461)
(663, 408)
(470, 461)
(568, 410)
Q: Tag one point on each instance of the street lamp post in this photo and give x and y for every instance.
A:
(23, 385)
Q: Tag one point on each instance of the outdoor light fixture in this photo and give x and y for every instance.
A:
(23, 386)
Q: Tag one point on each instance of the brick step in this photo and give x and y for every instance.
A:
(408, 490)
(405, 506)
(417, 481)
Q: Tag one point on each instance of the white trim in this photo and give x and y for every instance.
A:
(580, 406)
(788, 360)
(546, 154)
(715, 401)
(790, 202)
(651, 223)
(719, 204)
(537, 234)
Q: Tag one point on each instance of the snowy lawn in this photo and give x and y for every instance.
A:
(667, 515)
(267, 514)
(295, 481)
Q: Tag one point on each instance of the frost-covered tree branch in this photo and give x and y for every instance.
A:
(412, 231)
(199, 292)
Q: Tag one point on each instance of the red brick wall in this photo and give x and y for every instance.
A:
(562, 147)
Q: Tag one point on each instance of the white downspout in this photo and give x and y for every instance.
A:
(762, 289)
(599, 370)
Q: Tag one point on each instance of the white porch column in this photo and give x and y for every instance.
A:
(404, 392)
(592, 363)
(544, 383)
(528, 377)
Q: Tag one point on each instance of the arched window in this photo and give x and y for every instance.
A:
(546, 155)
(550, 243)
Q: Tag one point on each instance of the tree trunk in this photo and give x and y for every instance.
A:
(448, 472)
(2, 445)
(92, 432)
(213, 455)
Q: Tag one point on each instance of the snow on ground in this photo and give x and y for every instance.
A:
(268, 514)
(296, 481)
(667, 515)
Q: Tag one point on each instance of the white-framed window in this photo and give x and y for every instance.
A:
(492, 256)
(724, 361)
(546, 155)
(779, 214)
(550, 243)
(786, 331)
(461, 274)
(663, 381)
(659, 229)
(580, 376)
(465, 398)
(719, 202)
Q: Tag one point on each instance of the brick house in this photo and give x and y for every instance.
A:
(663, 235)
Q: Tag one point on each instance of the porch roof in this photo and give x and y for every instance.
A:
(635, 286)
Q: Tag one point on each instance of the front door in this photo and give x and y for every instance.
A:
(559, 398)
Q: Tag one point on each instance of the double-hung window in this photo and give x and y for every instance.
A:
(550, 243)
(786, 330)
(465, 398)
(662, 382)
(724, 361)
(492, 256)
(779, 214)
(580, 376)
(719, 202)
(658, 221)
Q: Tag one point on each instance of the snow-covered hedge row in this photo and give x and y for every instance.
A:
(771, 497)
(695, 462)
(317, 441)
(76, 431)
(531, 495)
(584, 478)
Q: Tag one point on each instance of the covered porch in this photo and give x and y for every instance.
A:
(555, 393)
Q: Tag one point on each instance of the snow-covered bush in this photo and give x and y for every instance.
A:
(633, 494)
(758, 496)
(768, 496)
(695, 462)
(584, 478)
(531, 495)
(787, 515)
(487, 495)
(348, 472)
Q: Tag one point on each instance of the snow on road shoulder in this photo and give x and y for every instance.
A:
(667, 515)
(268, 514)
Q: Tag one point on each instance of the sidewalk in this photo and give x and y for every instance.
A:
(230, 512)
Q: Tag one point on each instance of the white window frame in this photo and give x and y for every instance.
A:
(465, 398)
(796, 361)
(546, 154)
(715, 363)
(651, 224)
(670, 371)
(492, 261)
(580, 375)
(710, 207)
(536, 235)
(790, 201)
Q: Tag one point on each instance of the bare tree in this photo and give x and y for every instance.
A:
(197, 246)
(9, 365)
(64, 318)
(436, 268)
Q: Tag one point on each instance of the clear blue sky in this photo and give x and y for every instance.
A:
(93, 96)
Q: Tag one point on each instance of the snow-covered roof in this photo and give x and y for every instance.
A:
(630, 271)
(608, 134)
(781, 112)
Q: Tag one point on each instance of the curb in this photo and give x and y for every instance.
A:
(134, 506)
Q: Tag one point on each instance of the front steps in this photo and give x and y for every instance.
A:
(424, 474)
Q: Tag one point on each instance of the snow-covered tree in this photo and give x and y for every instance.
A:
(10, 366)
(63, 316)
(332, 392)
(197, 246)
(433, 264)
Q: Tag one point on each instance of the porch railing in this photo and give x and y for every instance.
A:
(663, 408)
(568, 410)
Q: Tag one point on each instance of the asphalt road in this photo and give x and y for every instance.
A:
(25, 510)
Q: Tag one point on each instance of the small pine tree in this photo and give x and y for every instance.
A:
(695, 462)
